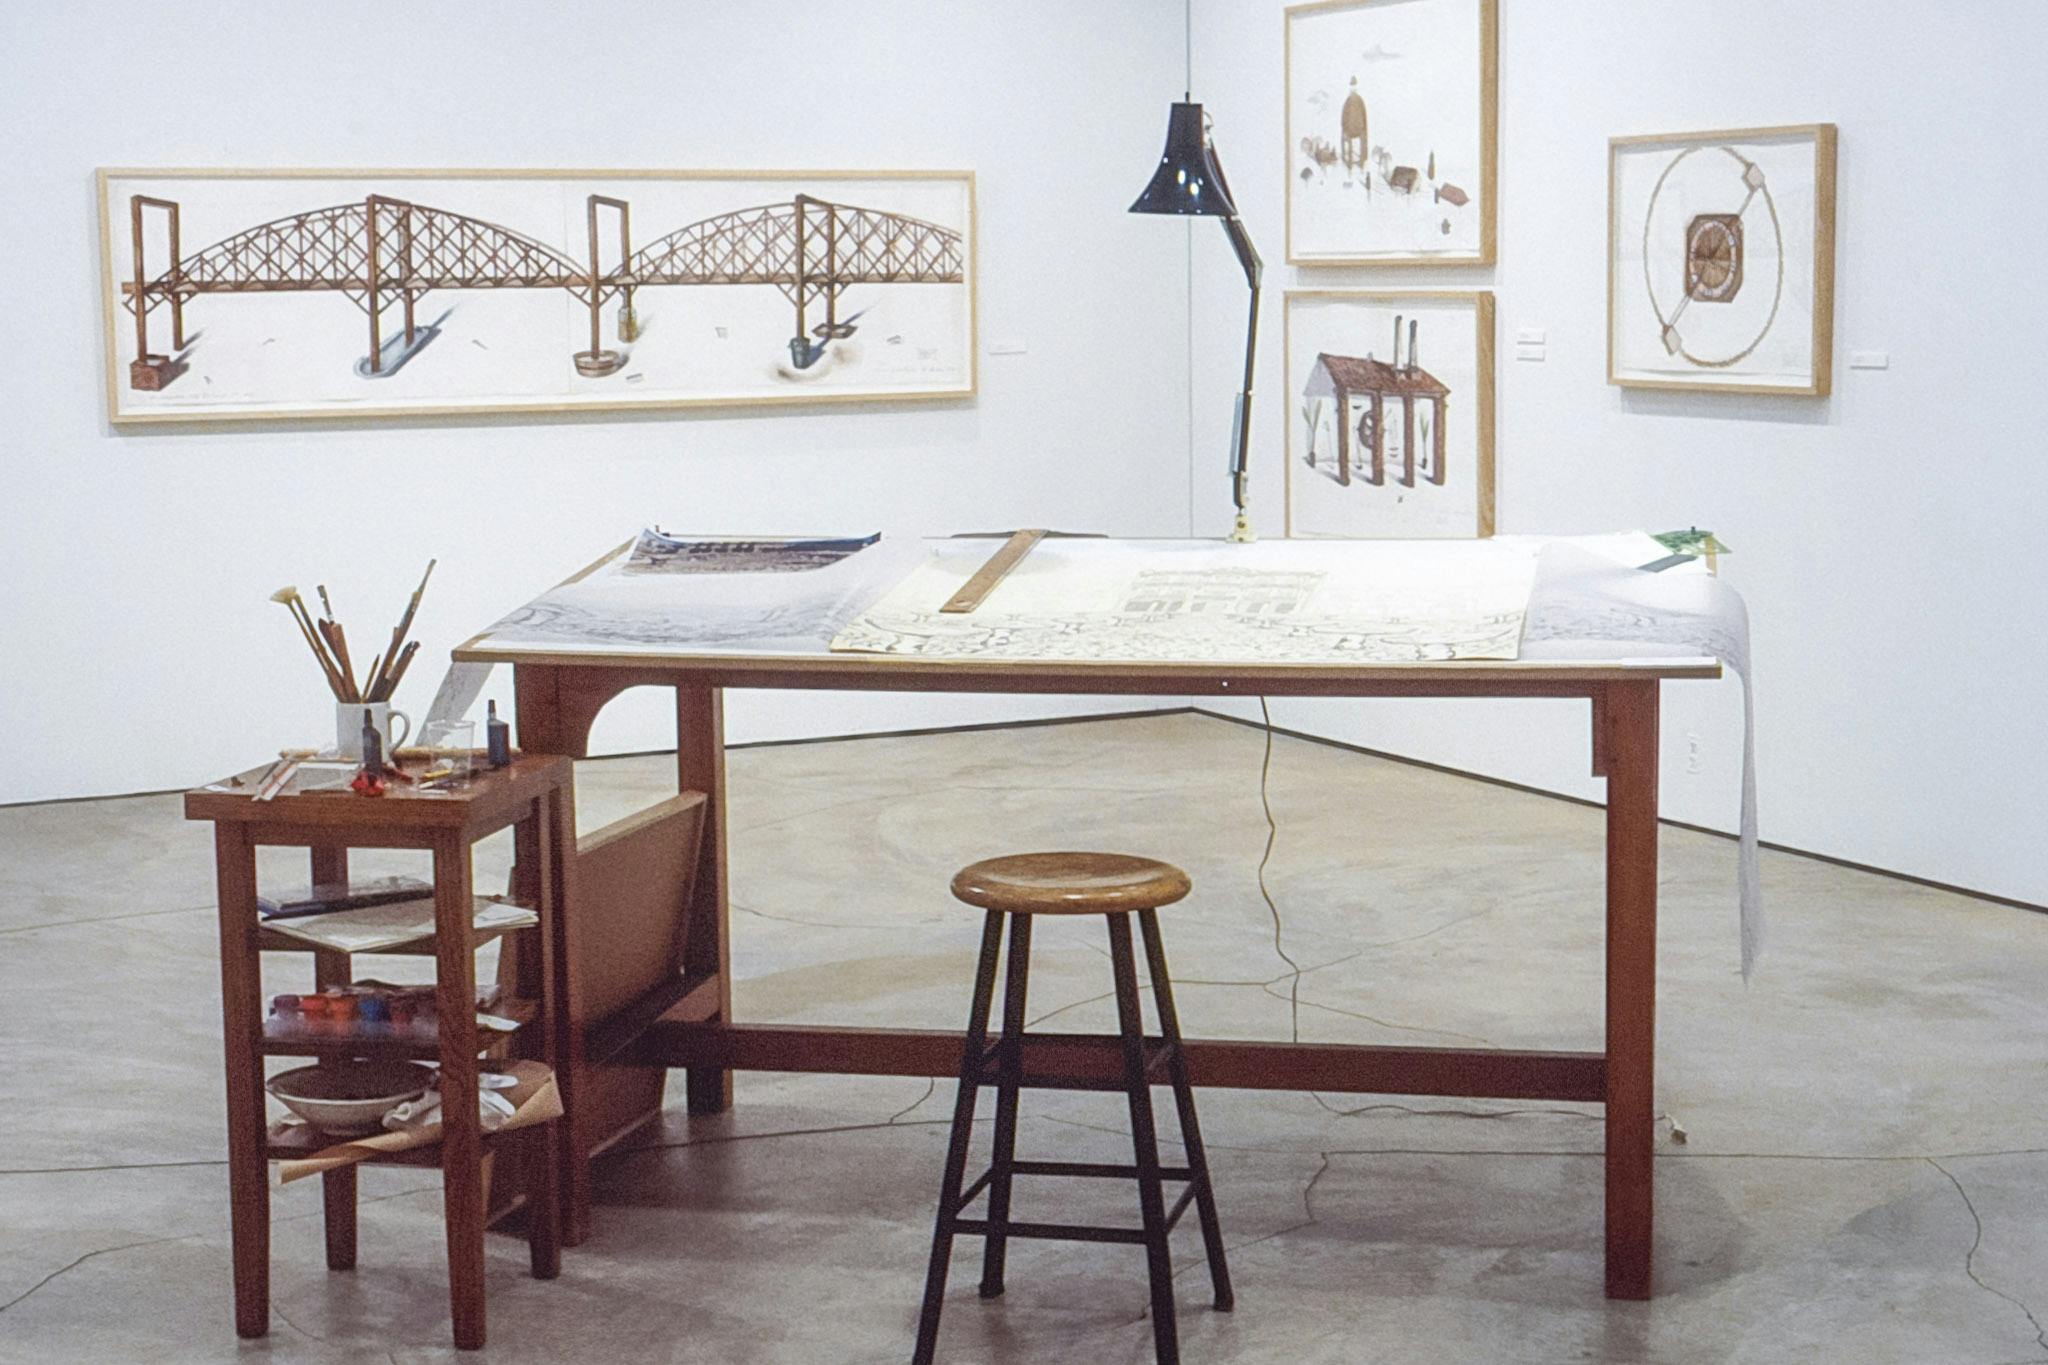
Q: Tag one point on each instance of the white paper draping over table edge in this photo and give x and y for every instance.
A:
(1589, 602)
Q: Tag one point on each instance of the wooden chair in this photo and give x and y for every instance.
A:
(1116, 887)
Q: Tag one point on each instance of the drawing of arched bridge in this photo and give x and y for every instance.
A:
(383, 251)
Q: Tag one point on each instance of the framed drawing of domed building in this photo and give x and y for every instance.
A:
(1392, 115)
(1721, 260)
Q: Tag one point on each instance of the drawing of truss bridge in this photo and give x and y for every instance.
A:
(383, 251)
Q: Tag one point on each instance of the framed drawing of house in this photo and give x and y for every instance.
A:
(1721, 260)
(1392, 127)
(377, 293)
(1390, 407)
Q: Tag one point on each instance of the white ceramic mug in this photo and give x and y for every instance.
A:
(348, 727)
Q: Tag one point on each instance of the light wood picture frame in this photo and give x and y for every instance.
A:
(1721, 260)
(1393, 132)
(531, 291)
(1390, 412)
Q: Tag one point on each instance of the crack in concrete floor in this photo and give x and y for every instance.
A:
(1976, 1244)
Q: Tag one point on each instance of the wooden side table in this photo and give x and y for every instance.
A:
(534, 797)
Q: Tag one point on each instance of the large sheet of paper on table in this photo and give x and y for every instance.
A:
(1205, 602)
(1168, 601)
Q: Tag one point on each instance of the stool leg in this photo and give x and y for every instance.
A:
(1010, 1061)
(956, 1149)
(1144, 1140)
(1184, 1100)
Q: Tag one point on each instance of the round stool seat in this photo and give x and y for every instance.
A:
(1070, 883)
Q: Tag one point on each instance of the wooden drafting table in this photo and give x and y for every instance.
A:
(647, 958)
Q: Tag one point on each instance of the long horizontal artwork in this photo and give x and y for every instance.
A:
(283, 294)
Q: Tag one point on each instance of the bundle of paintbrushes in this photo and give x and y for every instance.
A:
(329, 643)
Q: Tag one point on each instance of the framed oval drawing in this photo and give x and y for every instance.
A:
(1721, 260)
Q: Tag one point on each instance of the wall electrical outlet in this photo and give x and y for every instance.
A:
(1870, 360)
(1692, 753)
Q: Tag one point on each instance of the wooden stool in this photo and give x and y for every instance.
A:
(1111, 885)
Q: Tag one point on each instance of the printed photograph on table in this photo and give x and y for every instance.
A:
(1392, 119)
(1390, 413)
(1721, 260)
(336, 294)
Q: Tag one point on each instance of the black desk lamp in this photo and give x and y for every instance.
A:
(1190, 181)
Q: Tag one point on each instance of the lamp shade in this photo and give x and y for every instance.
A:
(1187, 180)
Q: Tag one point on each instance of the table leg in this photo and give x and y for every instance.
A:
(560, 1191)
(461, 1134)
(1628, 712)
(241, 990)
(331, 968)
(707, 943)
(338, 1198)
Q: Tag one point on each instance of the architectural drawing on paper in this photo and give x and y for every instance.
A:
(1721, 260)
(492, 291)
(660, 553)
(1390, 441)
(1391, 131)
(1283, 602)
(1376, 420)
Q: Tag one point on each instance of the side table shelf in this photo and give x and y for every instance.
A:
(306, 1044)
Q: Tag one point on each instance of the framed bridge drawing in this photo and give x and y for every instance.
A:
(377, 293)
(1390, 413)
(1721, 261)
(1392, 131)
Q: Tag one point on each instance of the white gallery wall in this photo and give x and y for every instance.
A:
(138, 647)
(1887, 539)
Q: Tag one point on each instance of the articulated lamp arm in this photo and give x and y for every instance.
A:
(1241, 434)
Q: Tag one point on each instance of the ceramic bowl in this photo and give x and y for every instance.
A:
(351, 1098)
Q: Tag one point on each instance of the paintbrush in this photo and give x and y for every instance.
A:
(331, 629)
(404, 660)
(298, 605)
(289, 597)
(335, 637)
(380, 688)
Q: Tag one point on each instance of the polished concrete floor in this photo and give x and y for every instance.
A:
(1864, 1176)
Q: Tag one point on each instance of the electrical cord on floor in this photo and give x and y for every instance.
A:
(1678, 1133)
(1272, 907)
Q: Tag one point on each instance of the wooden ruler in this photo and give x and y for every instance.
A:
(994, 571)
